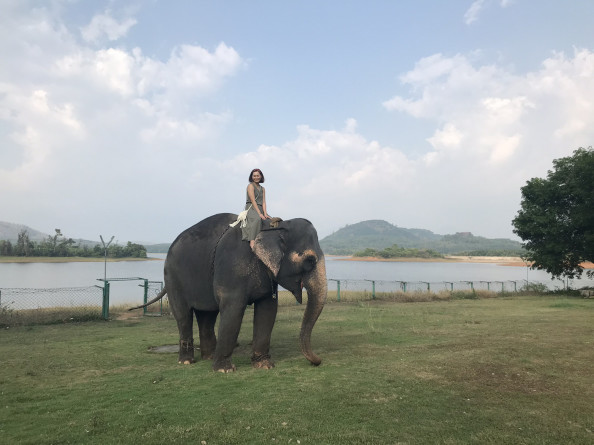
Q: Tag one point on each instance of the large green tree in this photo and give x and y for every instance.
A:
(556, 218)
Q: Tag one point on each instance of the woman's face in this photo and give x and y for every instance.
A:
(256, 177)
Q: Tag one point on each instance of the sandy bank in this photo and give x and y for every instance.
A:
(500, 260)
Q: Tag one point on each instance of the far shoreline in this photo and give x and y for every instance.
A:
(503, 261)
(499, 260)
(72, 259)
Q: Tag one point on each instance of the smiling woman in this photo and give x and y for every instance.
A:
(256, 207)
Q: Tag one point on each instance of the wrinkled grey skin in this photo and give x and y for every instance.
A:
(209, 272)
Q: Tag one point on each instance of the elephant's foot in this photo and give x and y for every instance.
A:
(224, 366)
(226, 370)
(262, 361)
(206, 355)
(186, 352)
(206, 351)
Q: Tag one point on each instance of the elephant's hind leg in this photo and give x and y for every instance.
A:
(206, 326)
(185, 321)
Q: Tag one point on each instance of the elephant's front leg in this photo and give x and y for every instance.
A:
(229, 326)
(264, 318)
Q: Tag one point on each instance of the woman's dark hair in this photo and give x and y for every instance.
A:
(259, 171)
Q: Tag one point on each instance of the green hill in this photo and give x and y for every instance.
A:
(378, 235)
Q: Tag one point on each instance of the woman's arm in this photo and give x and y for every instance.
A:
(264, 204)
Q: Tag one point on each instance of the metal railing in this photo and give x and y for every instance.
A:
(74, 303)
(383, 286)
(47, 305)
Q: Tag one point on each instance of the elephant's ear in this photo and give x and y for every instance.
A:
(270, 248)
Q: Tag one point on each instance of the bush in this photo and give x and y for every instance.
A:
(534, 288)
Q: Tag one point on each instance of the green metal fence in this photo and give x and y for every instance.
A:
(79, 303)
(382, 286)
(150, 290)
(49, 305)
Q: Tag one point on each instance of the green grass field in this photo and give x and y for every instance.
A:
(511, 370)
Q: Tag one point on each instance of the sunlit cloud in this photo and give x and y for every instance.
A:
(105, 26)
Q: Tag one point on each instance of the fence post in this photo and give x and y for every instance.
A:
(372, 288)
(105, 300)
(144, 309)
(337, 288)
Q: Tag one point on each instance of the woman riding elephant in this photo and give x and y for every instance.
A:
(256, 207)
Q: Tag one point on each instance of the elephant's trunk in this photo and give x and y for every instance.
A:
(317, 290)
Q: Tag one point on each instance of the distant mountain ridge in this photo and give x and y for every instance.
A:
(373, 234)
(10, 232)
(379, 234)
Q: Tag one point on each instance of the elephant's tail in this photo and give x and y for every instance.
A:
(154, 300)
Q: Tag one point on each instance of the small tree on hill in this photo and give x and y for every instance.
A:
(556, 218)
(24, 246)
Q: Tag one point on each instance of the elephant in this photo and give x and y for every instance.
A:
(210, 272)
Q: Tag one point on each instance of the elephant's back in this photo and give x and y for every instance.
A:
(206, 229)
(189, 262)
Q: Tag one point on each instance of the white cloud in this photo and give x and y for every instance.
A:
(104, 25)
(449, 137)
(496, 129)
(83, 126)
(486, 111)
(478, 6)
(114, 67)
(471, 15)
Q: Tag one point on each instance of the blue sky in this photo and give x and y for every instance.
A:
(139, 118)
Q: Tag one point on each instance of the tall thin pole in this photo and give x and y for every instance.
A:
(105, 246)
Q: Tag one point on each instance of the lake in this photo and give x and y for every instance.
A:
(353, 275)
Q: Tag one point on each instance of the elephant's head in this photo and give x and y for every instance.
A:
(293, 254)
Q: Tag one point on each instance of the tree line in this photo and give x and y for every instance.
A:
(60, 246)
(396, 251)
